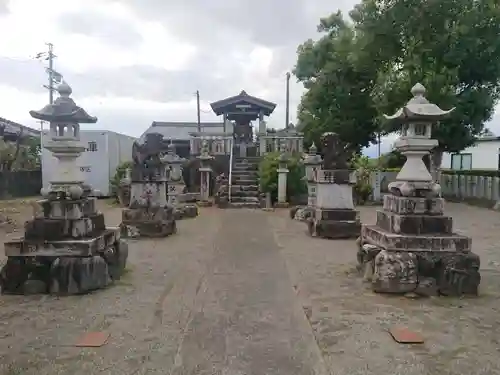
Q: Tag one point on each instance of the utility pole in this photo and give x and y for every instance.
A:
(287, 115)
(198, 110)
(53, 76)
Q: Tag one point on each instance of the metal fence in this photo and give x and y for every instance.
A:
(20, 184)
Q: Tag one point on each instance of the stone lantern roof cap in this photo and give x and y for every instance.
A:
(419, 108)
(64, 109)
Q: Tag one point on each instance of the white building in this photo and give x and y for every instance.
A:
(484, 154)
(105, 151)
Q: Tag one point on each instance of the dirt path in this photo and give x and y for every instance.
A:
(229, 294)
(213, 299)
(350, 322)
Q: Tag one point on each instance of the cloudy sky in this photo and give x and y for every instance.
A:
(131, 62)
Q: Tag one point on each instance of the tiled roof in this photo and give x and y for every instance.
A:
(13, 128)
(181, 130)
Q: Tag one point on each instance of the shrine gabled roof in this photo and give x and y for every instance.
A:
(219, 106)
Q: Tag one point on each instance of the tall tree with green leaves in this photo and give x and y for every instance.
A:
(339, 80)
(360, 70)
(452, 47)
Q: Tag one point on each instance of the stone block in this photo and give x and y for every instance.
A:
(69, 276)
(68, 209)
(148, 229)
(57, 229)
(153, 214)
(404, 242)
(336, 214)
(413, 205)
(414, 224)
(334, 229)
(185, 211)
(66, 247)
(395, 272)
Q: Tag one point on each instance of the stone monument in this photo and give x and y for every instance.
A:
(334, 217)
(282, 177)
(148, 214)
(412, 247)
(312, 162)
(66, 248)
(205, 171)
(176, 186)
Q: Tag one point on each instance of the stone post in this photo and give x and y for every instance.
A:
(282, 177)
(205, 171)
(412, 248)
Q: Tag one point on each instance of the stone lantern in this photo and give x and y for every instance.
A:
(415, 142)
(63, 141)
(205, 170)
(176, 185)
(412, 248)
(66, 248)
(312, 162)
(282, 177)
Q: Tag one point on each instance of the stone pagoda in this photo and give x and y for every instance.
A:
(148, 214)
(334, 216)
(176, 185)
(412, 247)
(66, 248)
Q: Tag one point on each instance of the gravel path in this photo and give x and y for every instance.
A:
(350, 322)
(248, 292)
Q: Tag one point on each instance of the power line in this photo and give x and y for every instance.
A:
(198, 110)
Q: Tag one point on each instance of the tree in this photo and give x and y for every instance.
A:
(339, 80)
(359, 71)
(451, 47)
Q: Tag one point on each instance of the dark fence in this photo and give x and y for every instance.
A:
(20, 184)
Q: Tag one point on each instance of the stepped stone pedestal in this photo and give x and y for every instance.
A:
(67, 248)
(205, 171)
(149, 214)
(334, 217)
(412, 247)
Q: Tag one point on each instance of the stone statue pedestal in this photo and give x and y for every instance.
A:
(67, 248)
(412, 248)
(148, 214)
(334, 217)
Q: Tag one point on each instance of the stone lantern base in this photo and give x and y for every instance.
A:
(412, 248)
(66, 250)
(334, 223)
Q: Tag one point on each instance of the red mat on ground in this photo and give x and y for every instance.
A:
(92, 340)
(403, 335)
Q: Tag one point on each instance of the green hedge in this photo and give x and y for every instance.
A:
(268, 175)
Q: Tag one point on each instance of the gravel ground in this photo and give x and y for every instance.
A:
(350, 322)
(182, 295)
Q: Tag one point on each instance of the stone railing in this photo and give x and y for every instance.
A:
(271, 143)
(218, 143)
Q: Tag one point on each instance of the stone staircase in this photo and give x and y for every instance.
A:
(245, 183)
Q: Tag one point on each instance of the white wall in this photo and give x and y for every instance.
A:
(484, 155)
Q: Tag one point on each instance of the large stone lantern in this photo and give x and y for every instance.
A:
(65, 118)
(66, 248)
(416, 117)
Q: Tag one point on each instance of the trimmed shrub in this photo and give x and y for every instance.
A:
(268, 175)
